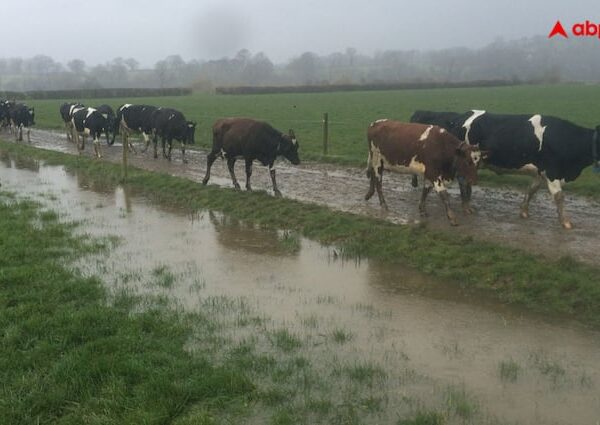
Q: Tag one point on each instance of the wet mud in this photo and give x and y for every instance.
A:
(423, 333)
(343, 188)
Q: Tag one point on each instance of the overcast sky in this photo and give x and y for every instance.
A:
(149, 30)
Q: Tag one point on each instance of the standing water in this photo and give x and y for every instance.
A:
(427, 337)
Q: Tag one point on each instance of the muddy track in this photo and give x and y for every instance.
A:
(343, 188)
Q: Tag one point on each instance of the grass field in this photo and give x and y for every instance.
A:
(351, 112)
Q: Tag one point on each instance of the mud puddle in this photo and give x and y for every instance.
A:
(343, 188)
(427, 338)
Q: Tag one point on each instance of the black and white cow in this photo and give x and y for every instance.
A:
(21, 116)
(551, 149)
(5, 106)
(109, 114)
(134, 118)
(66, 113)
(171, 124)
(88, 122)
(250, 139)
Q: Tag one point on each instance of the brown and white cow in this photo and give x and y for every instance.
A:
(427, 150)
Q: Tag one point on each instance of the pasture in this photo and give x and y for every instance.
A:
(351, 112)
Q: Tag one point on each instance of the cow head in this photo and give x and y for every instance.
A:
(190, 131)
(289, 147)
(466, 160)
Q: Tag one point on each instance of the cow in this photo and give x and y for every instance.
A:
(428, 150)
(109, 115)
(5, 106)
(21, 116)
(88, 122)
(169, 124)
(66, 113)
(550, 149)
(134, 118)
(252, 140)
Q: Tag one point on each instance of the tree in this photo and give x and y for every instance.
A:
(76, 66)
(304, 68)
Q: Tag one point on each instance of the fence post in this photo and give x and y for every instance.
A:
(124, 169)
(325, 133)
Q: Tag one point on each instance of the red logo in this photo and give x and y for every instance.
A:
(580, 29)
(558, 30)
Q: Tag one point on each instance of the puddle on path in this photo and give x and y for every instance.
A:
(343, 188)
(397, 318)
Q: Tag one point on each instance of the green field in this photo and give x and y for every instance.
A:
(351, 112)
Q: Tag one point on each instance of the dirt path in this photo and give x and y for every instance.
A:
(343, 188)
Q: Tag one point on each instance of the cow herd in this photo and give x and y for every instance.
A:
(16, 116)
(438, 146)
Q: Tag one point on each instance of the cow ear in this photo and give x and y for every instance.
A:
(291, 134)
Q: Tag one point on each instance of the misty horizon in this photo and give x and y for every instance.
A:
(212, 30)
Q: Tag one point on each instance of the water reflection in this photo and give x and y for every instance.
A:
(396, 315)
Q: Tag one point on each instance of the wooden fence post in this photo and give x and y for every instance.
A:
(325, 133)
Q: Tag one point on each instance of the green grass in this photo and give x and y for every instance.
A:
(512, 275)
(509, 370)
(351, 112)
(69, 356)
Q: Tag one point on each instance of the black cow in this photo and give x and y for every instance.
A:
(66, 113)
(109, 115)
(21, 116)
(250, 139)
(134, 118)
(551, 149)
(169, 124)
(88, 122)
(4, 113)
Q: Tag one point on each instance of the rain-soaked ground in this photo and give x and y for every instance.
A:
(343, 188)
(426, 336)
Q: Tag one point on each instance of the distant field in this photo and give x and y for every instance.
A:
(351, 112)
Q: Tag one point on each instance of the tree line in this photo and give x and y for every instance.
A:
(535, 59)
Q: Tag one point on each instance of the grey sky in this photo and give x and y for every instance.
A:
(207, 29)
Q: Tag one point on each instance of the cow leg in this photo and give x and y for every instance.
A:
(426, 189)
(170, 144)
(555, 189)
(371, 176)
(414, 181)
(146, 142)
(183, 158)
(379, 187)
(97, 147)
(210, 158)
(272, 173)
(440, 188)
(28, 135)
(531, 191)
(248, 174)
(68, 130)
(230, 165)
(155, 143)
(465, 195)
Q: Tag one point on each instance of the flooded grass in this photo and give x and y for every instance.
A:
(509, 370)
(510, 274)
(326, 353)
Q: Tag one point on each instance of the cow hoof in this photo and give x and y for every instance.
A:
(567, 225)
(468, 209)
(453, 223)
(277, 194)
(185, 161)
(524, 214)
(248, 188)
(204, 182)
(237, 188)
(423, 214)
